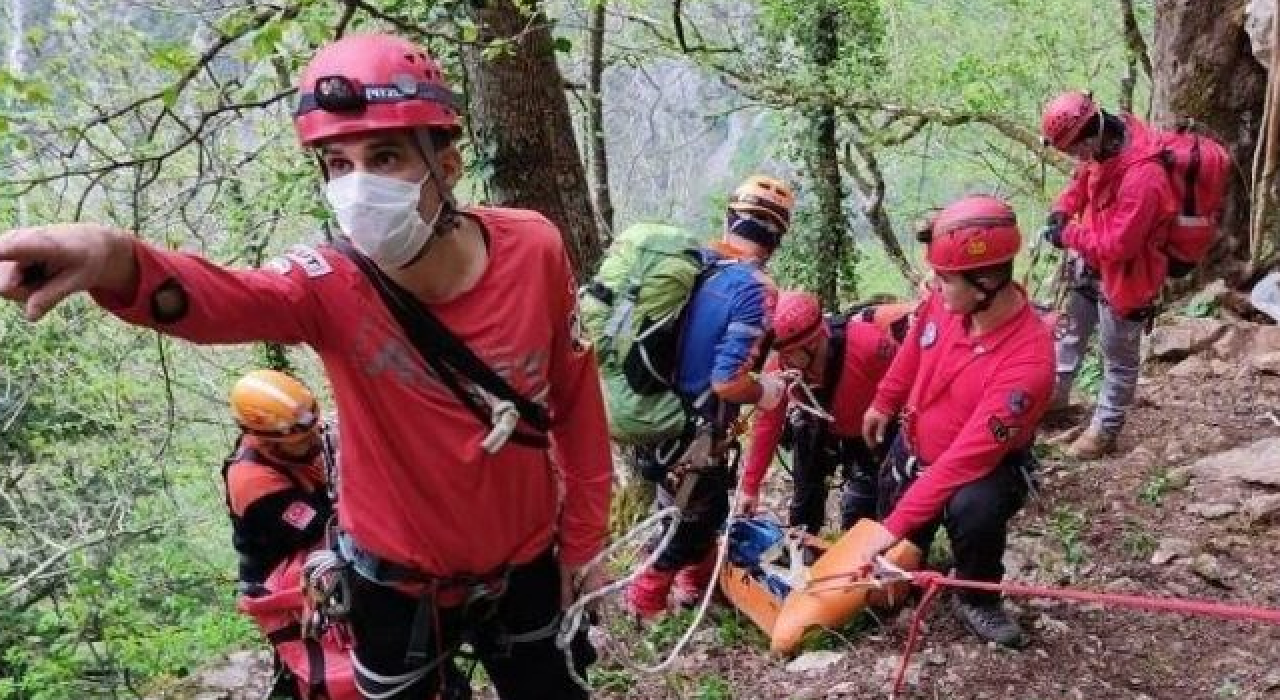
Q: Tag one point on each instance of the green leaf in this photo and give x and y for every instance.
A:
(267, 40)
(170, 96)
(177, 58)
(563, 44)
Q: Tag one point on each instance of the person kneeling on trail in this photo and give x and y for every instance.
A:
(840, 361)
(723, 341)
(969, 385)
(276, 482)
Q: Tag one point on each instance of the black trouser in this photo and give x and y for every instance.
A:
(976, 518)
(382, 622)
(703, 515)
(816, 454)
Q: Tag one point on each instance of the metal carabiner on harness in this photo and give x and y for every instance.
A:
(326, 592)
(807, 401)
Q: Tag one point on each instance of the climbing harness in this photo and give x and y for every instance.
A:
(326, 592)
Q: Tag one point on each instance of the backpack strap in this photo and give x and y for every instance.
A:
(244, 453)
(839, 325)
(448, 356)
(1193, 174)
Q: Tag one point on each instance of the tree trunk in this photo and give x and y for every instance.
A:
(1204, 70)
(824, 167)
(521, 117)
(595, 118)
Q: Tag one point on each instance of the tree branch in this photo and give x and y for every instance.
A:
(1133, 38)
(193, 136)
(869, 181)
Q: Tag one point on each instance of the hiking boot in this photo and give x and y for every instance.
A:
(647, 595)
(987, 619)
(1058, 405)
(691, 582)
(1092, 444)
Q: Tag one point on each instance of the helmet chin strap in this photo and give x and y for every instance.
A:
(447, 219)
(752, 230)
(989, 292)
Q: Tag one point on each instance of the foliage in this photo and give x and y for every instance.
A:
(1067, 527)
(172, 119)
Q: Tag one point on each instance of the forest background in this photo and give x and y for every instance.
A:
(171, 118)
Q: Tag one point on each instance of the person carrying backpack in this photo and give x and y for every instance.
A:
(969, 386)
(1115, 216)
(475, 461)
(723, 333)
(842, 359)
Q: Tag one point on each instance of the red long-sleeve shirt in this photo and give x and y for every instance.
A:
(1124, 208)
(966, 401)
(868, 350)
(416, 487)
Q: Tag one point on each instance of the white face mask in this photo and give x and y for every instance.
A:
(380, 214)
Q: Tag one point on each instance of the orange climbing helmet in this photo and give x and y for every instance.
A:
(272, 405)
(765, 196)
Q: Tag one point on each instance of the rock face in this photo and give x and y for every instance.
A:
(1256, 464)
(1212, 339)
(244, 675)
(814, 661)
(1170, 548)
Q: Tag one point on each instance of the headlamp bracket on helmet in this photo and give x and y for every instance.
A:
(340, 94)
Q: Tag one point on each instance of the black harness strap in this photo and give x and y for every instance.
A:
(448, 356)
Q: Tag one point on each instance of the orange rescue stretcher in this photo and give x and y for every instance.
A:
(764, 576)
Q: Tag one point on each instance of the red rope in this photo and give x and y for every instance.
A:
(933, 582)
(931, 592)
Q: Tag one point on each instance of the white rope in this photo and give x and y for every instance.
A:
(809, 402)
(574, 615)
(576, 612)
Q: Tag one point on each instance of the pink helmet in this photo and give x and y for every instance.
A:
(1066, 117)
(370, 82)
(797, 321)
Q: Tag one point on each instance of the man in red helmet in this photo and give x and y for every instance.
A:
(970, 383)
(474, 491)
(1115, 216)
(839, 362)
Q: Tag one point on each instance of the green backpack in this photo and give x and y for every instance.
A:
(632, 312)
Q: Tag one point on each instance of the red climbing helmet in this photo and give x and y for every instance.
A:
(972, 233)
(1066, 117)
(797, 321)
(370, 82)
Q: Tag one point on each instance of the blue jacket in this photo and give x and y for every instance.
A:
(725, 327)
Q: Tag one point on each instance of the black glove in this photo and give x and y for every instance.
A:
(1053, 229)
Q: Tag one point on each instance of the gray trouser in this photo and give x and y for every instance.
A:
(1121, 341)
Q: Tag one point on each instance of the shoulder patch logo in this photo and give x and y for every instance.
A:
(1019, 402)
(929, 335)
(309, 259)
(280, 266)
(1001, 431)
(299, 515)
